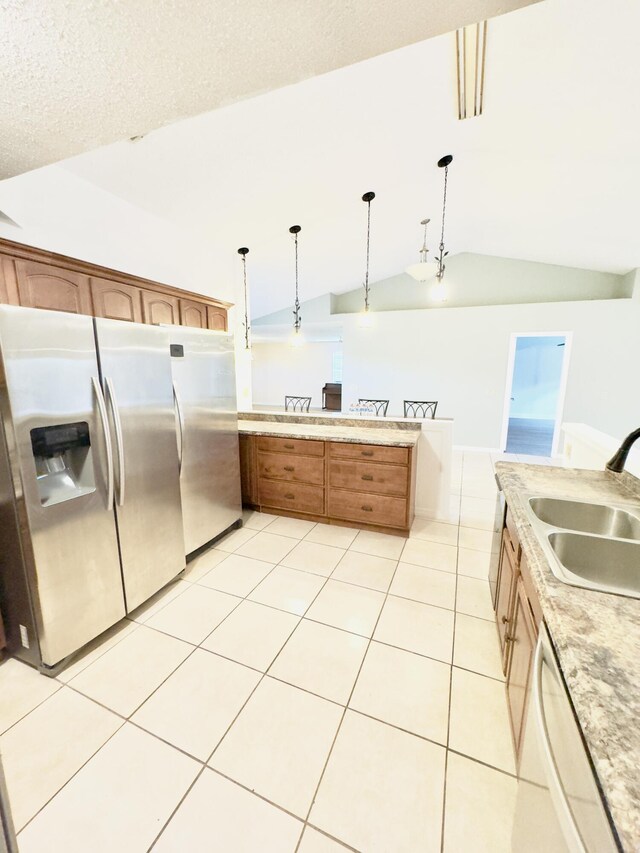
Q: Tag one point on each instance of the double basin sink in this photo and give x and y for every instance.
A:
(595, 546)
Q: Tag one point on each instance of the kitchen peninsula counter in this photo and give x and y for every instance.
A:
(356, 434)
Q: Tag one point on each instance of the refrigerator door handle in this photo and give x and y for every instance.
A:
(180, 414)
(556, 788)
(102, 409)
(117, 423)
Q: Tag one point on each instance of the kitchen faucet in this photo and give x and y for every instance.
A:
(616, 463)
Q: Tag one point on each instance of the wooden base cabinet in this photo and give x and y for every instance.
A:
(518, 614)
(368, 486)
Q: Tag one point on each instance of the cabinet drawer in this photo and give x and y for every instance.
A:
(297, 469)
(303, 446)
(372, 452)
(369, 477)
(294, 496)
(367, 508)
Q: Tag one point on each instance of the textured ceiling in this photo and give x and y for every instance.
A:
(549, 173)
(77, 74)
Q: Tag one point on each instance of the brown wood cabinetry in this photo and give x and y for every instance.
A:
(43, 286)
(35, 278)
(297, 469)
(506, 591)
(193, 314)
(116, 301)
(160, 308)
(370, 486)
(216, 319)
(521, 640)
(248, 480)
(518, 614)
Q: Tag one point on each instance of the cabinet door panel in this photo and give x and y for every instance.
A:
(193, 314)
(159, 308)
(116, 301)
(8, 281)
(216, 318)
(521, 638)
(247, 470)
(53, 288)
(506, 591)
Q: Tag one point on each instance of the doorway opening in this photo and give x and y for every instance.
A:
(536, 385)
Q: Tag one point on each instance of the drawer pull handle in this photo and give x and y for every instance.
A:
(289, 468)
(505, 621)
(509, 639)
(366, 508)
(367, 477)
(289, 496)
(289, 446)
(367, 452)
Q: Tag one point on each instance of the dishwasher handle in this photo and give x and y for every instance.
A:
(544, 653)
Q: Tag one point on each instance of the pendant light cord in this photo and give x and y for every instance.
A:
(368, 197)
(246, 314)
(243, 252)
(366, 275)
(443, 162)
(297, 319)
(297, 302)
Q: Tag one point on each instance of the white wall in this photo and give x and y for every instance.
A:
(459, 357)
(537, 372)
(279, 369)
(63, 213)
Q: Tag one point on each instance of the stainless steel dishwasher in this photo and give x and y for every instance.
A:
(559, 807)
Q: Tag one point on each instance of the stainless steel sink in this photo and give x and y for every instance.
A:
(598, 562)
(600, 519)
(594, 546)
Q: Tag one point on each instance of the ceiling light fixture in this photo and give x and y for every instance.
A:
(471, 49)
(365, 317)
(438, 291)
(296, 338)
(424, 269)
(244, 252)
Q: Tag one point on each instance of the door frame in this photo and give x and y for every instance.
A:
(564, 375)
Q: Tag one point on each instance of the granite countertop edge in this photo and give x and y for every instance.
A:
(596, 637)
(328, 432)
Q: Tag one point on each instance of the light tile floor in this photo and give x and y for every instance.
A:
(301, 688)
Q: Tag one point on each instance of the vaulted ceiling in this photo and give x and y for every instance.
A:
(549, 173)
(78, 74)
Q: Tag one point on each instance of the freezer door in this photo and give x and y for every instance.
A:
(203, 369)
(136, 376)
(58, 451)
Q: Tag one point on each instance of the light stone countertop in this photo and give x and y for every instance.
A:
(596, 637)
(330, 432)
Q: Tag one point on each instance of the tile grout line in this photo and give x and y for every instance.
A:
(244, 704)
(263, 675)
(453, 649)
(346, 708)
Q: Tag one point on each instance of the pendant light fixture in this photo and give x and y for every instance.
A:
(365, 317)
(243, 252)
(439, 292)
(424, 269)
(296, 338)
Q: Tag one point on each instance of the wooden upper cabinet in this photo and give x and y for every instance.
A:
(216, 318)
(8, 281)
(116, 301)
(44, 286)
(193, 314)
(160, 308)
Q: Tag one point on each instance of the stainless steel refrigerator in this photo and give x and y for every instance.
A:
(90, 515)
(203, 367)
